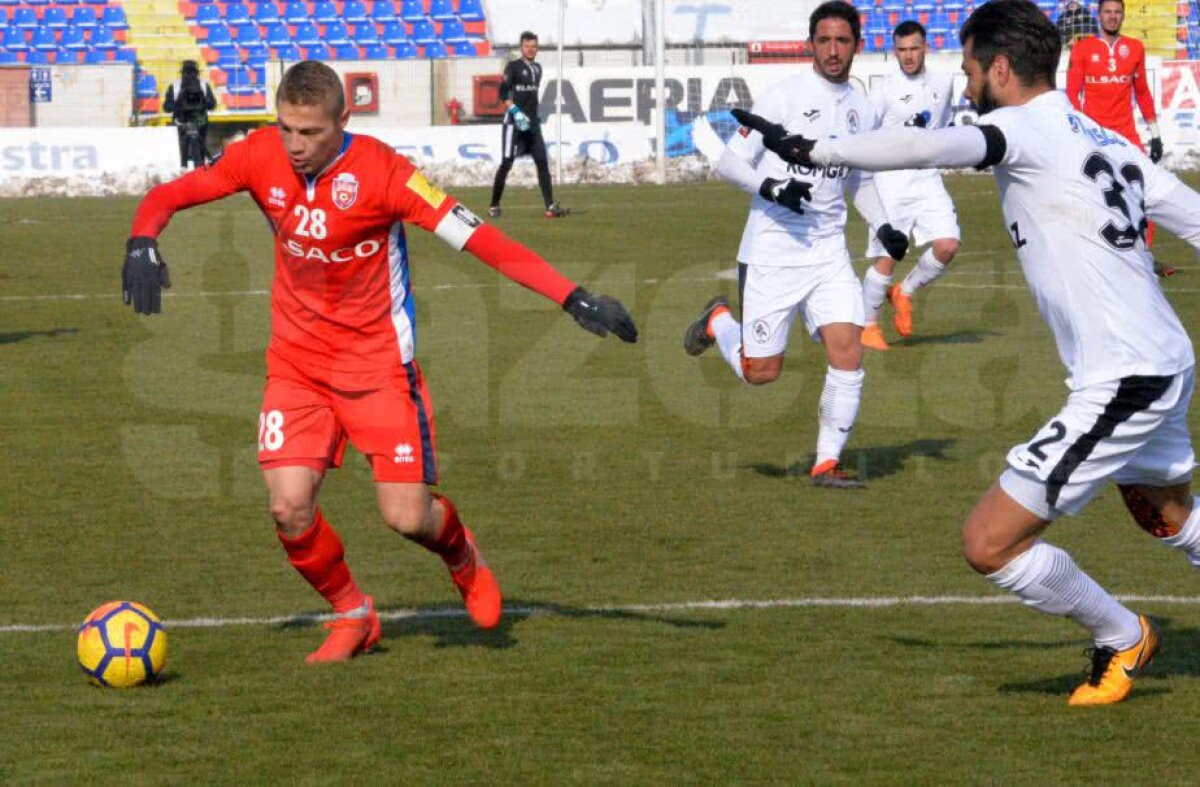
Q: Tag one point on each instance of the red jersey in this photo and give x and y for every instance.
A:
(342, 301)
(1101, 79)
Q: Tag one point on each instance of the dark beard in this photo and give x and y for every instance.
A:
(985, 103)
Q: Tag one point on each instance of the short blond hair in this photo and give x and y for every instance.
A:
(312, 83)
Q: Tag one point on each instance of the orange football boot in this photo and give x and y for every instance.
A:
(1113, 671)
(903, 305)
(831, 475)
(478, 586)
(349, 637)
(872, 338)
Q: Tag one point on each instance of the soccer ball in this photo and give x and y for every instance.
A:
(121, 644)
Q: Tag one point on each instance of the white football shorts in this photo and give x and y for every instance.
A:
(927, 213)
(773, 297)
(1129, 431)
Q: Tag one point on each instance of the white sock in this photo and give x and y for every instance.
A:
(728, 333)
(875, 287)
(1047, 579)
(837, 411)
(356, 613)
(1188, 537)
(926, 270)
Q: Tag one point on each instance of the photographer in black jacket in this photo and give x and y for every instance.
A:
(189, 100)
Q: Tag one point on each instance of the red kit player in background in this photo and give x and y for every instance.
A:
(340, 362)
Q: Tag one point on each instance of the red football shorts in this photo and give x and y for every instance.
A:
(306, 422)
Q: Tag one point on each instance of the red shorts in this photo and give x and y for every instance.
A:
(306, 422)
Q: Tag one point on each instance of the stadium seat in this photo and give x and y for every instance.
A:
(85, 17)
(346, 52)
(73, 38)
(287, 52)
(423, 33)
(257, 57)
(113, 17)
(96, 2)
(462, 49)
(376, 52)
(146, 85)
(103, 39)
(208, 15)
(434, 51)
(317, 52)
(9, 58)
(14, 39)
(38, 57)
(405, 50)
(229, 59)
(55, 17)
(238, 82)
(442, 10)
(3, 16)
(64, 55)
(277, 35)
(295, 12)
(44, 40)
(412, 10)
(307, 35)
(220, 39)
(453, 33)
(127, 55)
(94, 56)
(336, 34)
(470, 10)
(26, 19)
(237, 14)
(394, 34)
(266, 14)
(247, 35)
(365, 34)
(355, 12)
(325, 12)
(384, 11)
(37, 2)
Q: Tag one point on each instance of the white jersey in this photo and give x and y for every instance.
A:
(898, 100)
(1074, 197)
(815, 107)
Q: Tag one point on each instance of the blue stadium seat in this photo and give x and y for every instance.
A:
(435, 51)
(3, 16)
(442, 10)
(96, 2)
(239, 83)
(345, 52)
(67, 56)
(103, 39)
(229, 58)
(208, 15)
(277, 35)
(44, 40)
(877, 25)
(354, 12)
(14, 39)
(954, 5)
(9, 58)
(10, 2)
(26, 19)
(219, 38)
(384, 11)
(423, 33)
(126, 55)
(412, 10)
(325, 12)
(470, 10)
(93, 56)
(453, 32)
(85, 17)
(113, 17)
(247, 34)
(237, 14)
(266, 13)
(394, 33)
(288, 52)
(462, 49)
(295, 12)
(37, 2)
(336, 33)
(307, 35)
(894, 6)
(257, 56)
(376, 52)
(365, 34)
(146, 86)
(318, 52)
(38, 57)
(73, 38)
(55, 17)
(406, 50)
(68, 2)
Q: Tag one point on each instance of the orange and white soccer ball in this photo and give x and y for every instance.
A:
(122, 644)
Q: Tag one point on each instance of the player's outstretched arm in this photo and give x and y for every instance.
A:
(1170, 203)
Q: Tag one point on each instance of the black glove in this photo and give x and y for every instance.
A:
(895, 241)
(792, 148)
(788, 193)
(919, 120)
(600, 314)
(144, 275)
(1156, 150)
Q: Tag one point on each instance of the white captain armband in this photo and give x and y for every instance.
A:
(457, 226)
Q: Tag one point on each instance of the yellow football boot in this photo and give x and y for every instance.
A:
(1113, 671)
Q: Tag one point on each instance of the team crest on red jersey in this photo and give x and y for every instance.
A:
(345, 190)
(1123, 50)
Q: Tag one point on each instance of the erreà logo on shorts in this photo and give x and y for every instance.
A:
(404, 454)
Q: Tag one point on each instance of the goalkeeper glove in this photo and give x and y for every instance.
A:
(919, 120)
(792, 148)
(788, 193)
(893, 240)
(600, 314)
(519, 118)
(144, 275)
(1156, 149)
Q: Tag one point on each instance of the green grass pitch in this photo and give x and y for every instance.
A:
(612, 487)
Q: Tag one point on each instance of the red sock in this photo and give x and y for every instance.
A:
(450, 543)
(318, 555)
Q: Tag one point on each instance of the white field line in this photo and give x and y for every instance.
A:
(723, 605)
